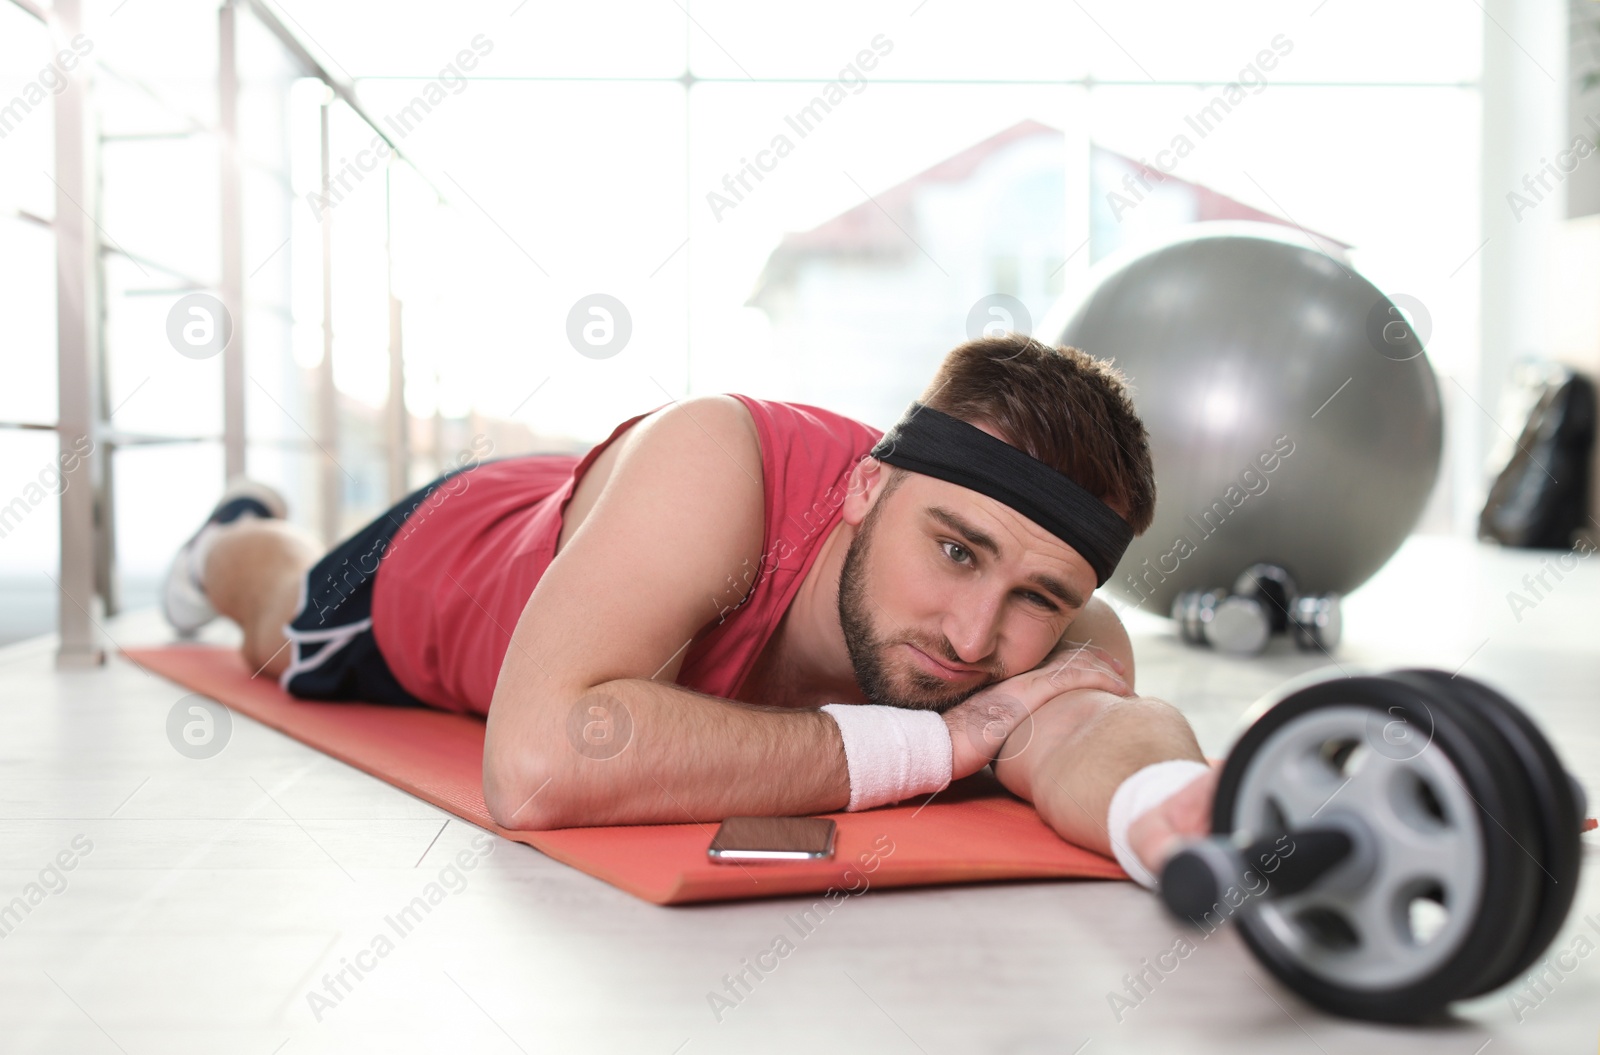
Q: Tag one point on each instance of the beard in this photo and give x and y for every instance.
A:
(869, 650)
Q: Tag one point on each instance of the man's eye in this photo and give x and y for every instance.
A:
(1040, 600)
(956, 552)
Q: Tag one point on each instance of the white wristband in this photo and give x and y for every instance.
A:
(1137, 795)
(892, 753)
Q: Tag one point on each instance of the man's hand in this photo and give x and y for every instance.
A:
(1183, 818)
(980, 725)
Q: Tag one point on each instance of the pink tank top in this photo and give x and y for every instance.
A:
(453, 583)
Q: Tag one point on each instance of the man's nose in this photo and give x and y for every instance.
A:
(972, 629)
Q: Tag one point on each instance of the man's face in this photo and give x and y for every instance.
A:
(944, 591)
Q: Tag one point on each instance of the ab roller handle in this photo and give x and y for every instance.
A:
(1204, 878)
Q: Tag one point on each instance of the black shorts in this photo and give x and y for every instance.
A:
(333, 654)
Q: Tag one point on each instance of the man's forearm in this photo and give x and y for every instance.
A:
(635, 751)
(1082, 745)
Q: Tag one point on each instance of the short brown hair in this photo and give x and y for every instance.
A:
(1060, 405)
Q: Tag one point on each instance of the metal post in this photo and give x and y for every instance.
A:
(328, 395)
(399, 435)
(1075, 121)
(107, 582)
(232, 228)
(438, 424)
(77, 328)
(1522, 118)
(399, 453)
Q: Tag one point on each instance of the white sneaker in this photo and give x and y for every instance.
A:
(183, 597)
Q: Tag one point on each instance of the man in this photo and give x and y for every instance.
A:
(737, 607)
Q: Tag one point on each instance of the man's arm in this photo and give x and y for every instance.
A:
(1085, 742)
(585, 726)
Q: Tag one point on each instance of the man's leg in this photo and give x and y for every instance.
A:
(253, 574)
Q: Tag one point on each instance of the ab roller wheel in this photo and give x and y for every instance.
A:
(1388, 844)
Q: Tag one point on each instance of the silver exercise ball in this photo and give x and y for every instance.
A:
(1293, 415)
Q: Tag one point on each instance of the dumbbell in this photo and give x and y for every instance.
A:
(1272, 587)
(1236, 625)
(1186, 612)
(1264, 601)
(1313, 620)
(1316, 623)
(1387, 844)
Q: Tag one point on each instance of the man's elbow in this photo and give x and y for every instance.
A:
(522, 794)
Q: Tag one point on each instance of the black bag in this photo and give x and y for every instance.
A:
(1541, 498)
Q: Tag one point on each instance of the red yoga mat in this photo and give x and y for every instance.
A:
(973, 831)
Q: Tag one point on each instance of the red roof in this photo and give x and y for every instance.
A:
(866, 230)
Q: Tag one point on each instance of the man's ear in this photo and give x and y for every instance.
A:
(866, 480)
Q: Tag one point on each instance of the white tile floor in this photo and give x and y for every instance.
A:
(218, 893)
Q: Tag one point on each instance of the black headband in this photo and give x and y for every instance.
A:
(936, 444)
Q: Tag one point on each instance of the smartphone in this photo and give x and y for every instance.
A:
(742, 839)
